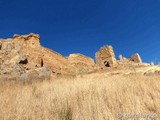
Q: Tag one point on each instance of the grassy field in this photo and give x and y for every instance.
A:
(90, 97)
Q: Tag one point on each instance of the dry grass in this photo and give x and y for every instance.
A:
(92, 97)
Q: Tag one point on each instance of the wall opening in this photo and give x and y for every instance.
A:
(106, 63)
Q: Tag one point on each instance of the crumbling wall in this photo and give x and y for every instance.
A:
(80, 64)
(136, 58)
(20, 59)
(105, 57)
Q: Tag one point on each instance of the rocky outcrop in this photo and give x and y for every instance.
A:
(134, 61)
(26, 37)
(105, 57)
(120, 57)
(123, 59)
(0, 45)
(79, 58)
(81, 64)
(151, 63)
(55, 61)
(21, 58)
(24, 58)
(136, 58)
(152, 73)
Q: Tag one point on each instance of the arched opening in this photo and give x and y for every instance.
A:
(106, 63)
(25, 61)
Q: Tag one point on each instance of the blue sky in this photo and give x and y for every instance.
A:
(83, 26)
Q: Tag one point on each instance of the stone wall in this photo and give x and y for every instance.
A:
(24, 58)
(81, 64)
(136, 58)
(105, 57)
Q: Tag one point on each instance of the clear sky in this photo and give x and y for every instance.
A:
(83, 26)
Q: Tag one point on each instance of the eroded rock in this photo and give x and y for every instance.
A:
(136, 58)
(152, 64)
(22, 59)
(105, 57)
(80, 64)
(0, 44)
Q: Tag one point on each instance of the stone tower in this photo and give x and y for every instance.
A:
(105, 57)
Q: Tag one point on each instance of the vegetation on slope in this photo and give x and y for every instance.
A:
(91, 97)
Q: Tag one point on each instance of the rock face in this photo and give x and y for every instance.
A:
(79, 58)
(134, 61)
(24, 58)
(136, 58)
(81, 64)
(17, 57)
(105, 57)
(55, 61)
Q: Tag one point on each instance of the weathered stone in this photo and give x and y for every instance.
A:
(79, 58)
(31, 75)
(34, 35)
(0, 45)
(54, 61)
(7, 46)
(13, 55)
(80, 64)
(105, 57)
(23, 77)
(5, 69)
(120, 57)
(44, 72)
(16, 35)
(26, 37)
(152, 72)
(157, 72)
(136, 58)
(17, 70)
(22, 59)
(24, 56)
(152, 64)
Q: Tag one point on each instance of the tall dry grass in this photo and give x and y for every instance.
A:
(92, 97)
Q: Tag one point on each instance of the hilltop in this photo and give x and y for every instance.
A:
(77, 87)
(23, 57)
